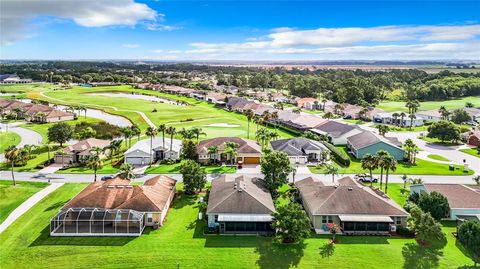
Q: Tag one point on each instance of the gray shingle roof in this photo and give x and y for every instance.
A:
(296, 146)
(348, 197)
(239, 195)
(366, 138)
(335, 129)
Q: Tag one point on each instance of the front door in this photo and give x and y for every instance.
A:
(222, 227)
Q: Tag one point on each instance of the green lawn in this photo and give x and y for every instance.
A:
(422, 167)
(8, 139)
(42, 128)
(181, 244)
(196, 114)
(474, 152)
(438, 142)
(175, 169)
(12, 196)
(358, 122)
(393, 128)
(106, 169)
(393, 106)
(39, 156)
(438, 157)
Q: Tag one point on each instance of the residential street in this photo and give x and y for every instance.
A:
(28, 137)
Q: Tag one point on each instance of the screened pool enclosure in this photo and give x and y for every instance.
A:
(97, 222)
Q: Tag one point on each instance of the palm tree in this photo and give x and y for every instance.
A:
(395, 118)
(29, 149)
(151, 132)
(405, 180)
(338, 108)
(297, 110)
(369, 162)
(126, 171)
(95, 163)
(331, 170)
(186, 133)
(412, 117)
(402, 115)
(127, 133)
(324, 101)
(328, 115)
(444, 112)
(389, 164)
(213, 150)
(231, 150)
(266, 116)
(161, 128)
(198, 132)
(136, 131)
(171, 131)
(274, 118)
(250, 114)
(382, 129)
(13, 155)
(380, 156)
(258, 121)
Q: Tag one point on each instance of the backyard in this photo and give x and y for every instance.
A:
(12, 196)
(421, 167)
(180, 243)
(175, 169)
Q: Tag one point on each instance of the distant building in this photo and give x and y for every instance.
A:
(248, 151)
(388, 118)
(472, 138)
(337, 132)
(13, 79)
(308, 103)
(430, 115)
(80, 151)
(368, 142)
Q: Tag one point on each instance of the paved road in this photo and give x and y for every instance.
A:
(78, 178)
(27, 137)
(29, 203)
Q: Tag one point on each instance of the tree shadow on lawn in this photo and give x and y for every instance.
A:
(44, 239)
(55, 206)
(275, 255)
(416, 256)
(371, 239)
(181, 200)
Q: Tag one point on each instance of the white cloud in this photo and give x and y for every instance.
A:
(157, 51)
(16, 16)
(161, 27)
(131, 46)
(382, 43)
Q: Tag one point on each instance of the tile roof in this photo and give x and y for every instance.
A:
(84, 146)
(458, 195)
(244, 145)
(347, 197)
(239, 195)
(116, 193)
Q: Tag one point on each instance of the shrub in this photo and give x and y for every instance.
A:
(405, 232)
(339, 155)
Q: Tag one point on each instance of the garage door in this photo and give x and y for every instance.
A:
(136, 160)
(251, 160)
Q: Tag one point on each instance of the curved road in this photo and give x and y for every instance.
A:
(28, 137)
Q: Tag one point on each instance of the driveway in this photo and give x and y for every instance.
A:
(54, 167)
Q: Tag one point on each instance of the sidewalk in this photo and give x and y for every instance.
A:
(29, 203)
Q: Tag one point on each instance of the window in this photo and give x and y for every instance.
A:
(149, 217)
(327, 219)
(216, 218)
(398, 220)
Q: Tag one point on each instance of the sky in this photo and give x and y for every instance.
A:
(183, 30)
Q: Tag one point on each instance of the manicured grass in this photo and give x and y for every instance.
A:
(196, 114)
(181, 244)
(39, 156)
(175, 169)
(438, 142)
(438, 157)
(42, 128)
(354, 121)
(474, 152)
(106, 169)
(393, 106)
(13, 196)
(8, 139)
(393, 128)
(422, 167)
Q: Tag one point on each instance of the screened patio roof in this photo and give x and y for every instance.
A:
(365, 218)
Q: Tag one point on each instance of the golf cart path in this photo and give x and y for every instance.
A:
(27, 137)
(29, 203)
(145, 118)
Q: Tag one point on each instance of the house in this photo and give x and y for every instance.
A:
(350, 111)
(33, 112)
(13, 79)
(216, 98)
(472, 138)
(141, 153)
(301, 150)
(429, 115)
(279, 97)
(115, 208)
(305, 122)
(240, 205)
(248, 151)
(337, 132)
(356, 209)
(235, 103)
(464, 201)
(388, 118)
(474, 113)
(308, 103)
(81, 151)
(368, 142)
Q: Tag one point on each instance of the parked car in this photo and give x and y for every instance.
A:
(365, 178)
(104, 178)
(347, 117)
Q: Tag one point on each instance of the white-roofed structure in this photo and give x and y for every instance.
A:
(140, 153)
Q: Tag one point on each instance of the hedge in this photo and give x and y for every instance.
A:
(339, 155)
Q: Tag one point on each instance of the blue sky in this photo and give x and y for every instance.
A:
(240, 30)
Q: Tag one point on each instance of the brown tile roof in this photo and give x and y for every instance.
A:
(116, 193)
(244, 145)
(239, 195)
(86, 145)
(347, 197)
(458, 196)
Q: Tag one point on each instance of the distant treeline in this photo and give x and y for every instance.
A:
(351, 86)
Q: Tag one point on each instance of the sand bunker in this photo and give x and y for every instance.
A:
(223, 124)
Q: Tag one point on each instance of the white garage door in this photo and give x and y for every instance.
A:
(136, 160)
